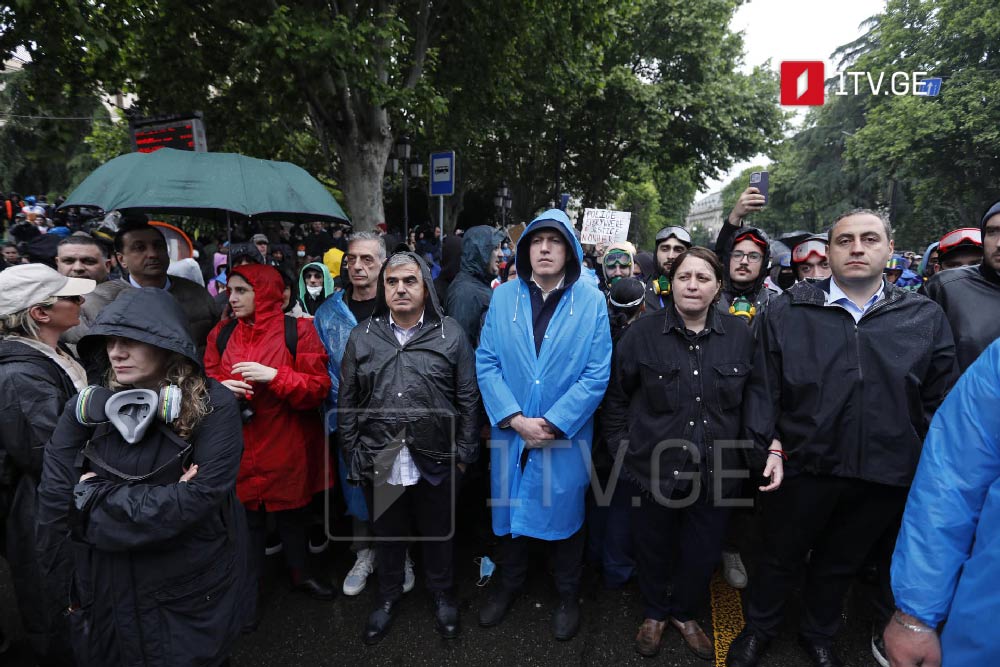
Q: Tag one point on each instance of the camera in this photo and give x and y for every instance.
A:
(246, 410)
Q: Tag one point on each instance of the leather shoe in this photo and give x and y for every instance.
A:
(445, 615)
(379, 622)
(566, 619)
(695, 638)
(313, 587)
(820, 652)
(747, 649)
(647, 642)
(496, 606)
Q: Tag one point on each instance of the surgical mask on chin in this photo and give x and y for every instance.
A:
(314, 291)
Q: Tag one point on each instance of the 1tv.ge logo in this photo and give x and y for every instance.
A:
(803, 83)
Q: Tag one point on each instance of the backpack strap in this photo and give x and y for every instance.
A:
(291, 335)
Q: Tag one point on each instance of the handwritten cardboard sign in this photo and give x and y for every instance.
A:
(604, 226)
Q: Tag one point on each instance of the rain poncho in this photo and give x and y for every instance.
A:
(947, 556)
(564, 383)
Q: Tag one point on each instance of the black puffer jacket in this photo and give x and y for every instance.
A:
(160, 566)
(667, 385)
(423, 394)
(845, 399)
(33, 390)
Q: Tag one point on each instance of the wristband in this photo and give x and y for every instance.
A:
(922, 629)
(778, 452)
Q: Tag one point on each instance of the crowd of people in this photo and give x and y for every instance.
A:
(166, 424)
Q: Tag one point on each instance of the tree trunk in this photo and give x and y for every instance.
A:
(362, 167)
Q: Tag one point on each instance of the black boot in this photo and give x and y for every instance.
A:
(820, 652)
(446, 615)
(379, 622)
(566, 619)
(496, 606)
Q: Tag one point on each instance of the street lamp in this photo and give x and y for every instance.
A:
(503, 201)
(403, 156)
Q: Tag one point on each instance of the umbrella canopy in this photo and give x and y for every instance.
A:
(206, 185)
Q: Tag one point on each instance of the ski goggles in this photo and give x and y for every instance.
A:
(807, 249)
(965, 236)
(679, 233)
(617, 258)
(751, 236)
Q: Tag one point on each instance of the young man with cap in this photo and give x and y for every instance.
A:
(671, 241)
(851, 445)
(970, 296)
(746, 261)
(543, 364)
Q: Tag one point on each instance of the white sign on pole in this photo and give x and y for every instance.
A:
(604, 226)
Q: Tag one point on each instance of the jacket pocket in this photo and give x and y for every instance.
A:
(661, 386)
(729, 382)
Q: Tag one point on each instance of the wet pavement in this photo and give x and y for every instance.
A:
(296, 630)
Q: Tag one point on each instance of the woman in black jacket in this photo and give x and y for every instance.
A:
(37, 305)
(157, 536)
(674, 399)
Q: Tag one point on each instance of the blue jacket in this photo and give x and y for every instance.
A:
(947, 557)
(334, 322)
(564, 383)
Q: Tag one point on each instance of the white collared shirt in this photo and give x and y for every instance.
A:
(132, 282)
(837, 297)
(545, 295)
(404, 470)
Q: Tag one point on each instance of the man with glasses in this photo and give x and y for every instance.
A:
(746, 260)
(670, 241)
(970, 295)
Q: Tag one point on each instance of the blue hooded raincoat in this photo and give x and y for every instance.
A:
(334, 322)
(947, 557)
(564, 383)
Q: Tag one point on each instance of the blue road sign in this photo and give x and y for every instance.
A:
(929, 87)
(443, 174)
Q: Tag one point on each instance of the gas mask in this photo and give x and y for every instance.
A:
(131, 411)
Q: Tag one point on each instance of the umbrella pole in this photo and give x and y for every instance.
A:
(229, 239)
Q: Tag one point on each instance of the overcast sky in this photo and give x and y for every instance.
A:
(795, 30)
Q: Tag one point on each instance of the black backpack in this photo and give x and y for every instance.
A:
(291, 335)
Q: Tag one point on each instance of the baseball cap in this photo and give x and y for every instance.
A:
(259, 238)
(25, 285)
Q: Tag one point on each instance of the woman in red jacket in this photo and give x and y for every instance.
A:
(284, 462)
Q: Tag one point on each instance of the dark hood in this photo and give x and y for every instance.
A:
(477, 247)
(647, 263)
(451, 257)
(148, 315)
(759, 282)
(984, 269)
(382, 308)
(559, 221)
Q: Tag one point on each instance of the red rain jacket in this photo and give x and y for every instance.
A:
(284, 452)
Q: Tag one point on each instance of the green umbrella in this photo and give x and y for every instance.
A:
(214, 185)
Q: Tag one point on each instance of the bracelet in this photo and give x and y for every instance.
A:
(778, 452)
(922, 629)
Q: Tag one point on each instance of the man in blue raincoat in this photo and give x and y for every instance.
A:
(543, 364)
(947, 557)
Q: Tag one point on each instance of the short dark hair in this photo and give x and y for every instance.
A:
(861, 211)
(701, 253)
(132, 224)
(84, 239)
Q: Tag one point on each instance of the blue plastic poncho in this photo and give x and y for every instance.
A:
(564, 383)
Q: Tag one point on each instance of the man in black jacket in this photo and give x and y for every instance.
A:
(849, 401)
(469, 293)
(408, 419)
(970, 296)
(670, 241)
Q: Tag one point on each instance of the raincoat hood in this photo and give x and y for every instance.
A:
(623, 246)
(148, 315)
(925, 259)
(559, 221)
(328, 288)
(268, 293)
(477, 248)
(432, 308)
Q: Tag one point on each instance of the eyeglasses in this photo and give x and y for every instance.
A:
(964, 236)
(812, 247)
(752, 257)
(617, 259)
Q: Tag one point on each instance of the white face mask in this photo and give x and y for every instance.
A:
(314, 291)
(301, 253)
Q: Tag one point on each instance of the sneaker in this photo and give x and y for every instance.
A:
(273, 545)
(409, 577)
(318, 539)
(356, 579)
(878, 648)
(733, 570)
